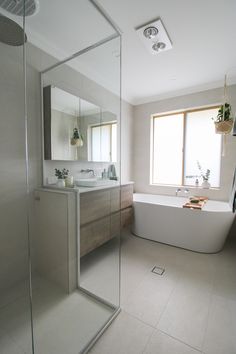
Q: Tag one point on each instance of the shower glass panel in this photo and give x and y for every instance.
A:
(15, 315)
(99, 262)
(75, 264)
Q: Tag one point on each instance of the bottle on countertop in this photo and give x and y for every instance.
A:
(104, 174)
(197, 183)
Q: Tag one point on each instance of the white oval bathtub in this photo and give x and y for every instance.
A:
(163, 219)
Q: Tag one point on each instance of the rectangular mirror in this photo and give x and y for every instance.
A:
(77, 130)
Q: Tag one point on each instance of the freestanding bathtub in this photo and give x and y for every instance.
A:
(163, 219)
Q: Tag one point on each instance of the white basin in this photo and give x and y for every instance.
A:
(94, 182)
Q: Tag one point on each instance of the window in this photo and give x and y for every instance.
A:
(182, 139)
(104, 142)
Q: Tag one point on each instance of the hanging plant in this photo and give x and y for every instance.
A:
(77, 139)
(224, 120)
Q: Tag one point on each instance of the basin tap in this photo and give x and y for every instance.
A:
(88, 170)
(177, 191)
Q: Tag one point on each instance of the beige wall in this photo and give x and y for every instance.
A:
(141, 163)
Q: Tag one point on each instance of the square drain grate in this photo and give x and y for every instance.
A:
(158, 270)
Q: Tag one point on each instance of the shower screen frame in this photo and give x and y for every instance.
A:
(116, 35)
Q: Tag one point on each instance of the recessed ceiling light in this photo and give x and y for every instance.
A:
(150, 32)
(158, 46)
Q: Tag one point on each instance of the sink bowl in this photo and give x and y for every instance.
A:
(94, 182)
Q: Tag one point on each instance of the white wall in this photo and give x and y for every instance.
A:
(142, 128)
(62, 125)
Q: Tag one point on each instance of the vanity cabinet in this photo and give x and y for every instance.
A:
(102, 214)
(69, 223)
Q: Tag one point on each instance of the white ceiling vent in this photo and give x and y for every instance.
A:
(154, 37)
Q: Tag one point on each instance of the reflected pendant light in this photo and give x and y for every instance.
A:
(77, 139)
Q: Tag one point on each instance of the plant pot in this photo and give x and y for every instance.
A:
(206, 184)
(69, 181)
(61, 183)
(224, 127)
(76, 142)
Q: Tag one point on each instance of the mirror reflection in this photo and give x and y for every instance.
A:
(77, 130)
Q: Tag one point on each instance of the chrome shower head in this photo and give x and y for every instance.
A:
(20, 7)
(11, 33)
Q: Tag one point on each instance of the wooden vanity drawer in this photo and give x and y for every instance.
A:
(115, 199)
(102, 214)
(126, 217)
(115, 224)
(94, 235)
(94, 205)
(126, 196)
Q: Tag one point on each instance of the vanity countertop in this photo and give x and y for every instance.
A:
(80, 190)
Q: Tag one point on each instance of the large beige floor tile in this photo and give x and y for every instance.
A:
(186, 314)
(160, 343)
(225, 281)
(221, 330)
(148, 301)
(126, 335)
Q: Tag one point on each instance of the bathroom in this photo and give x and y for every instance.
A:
(101, 248)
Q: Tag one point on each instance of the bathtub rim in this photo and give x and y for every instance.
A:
(226, 205)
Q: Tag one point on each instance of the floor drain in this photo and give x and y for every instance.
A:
(158, 270)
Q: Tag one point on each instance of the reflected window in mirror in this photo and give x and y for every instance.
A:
(103, 142)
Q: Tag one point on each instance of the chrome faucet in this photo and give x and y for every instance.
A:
(177, 191)
(88, 170)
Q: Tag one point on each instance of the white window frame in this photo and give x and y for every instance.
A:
(184, 112)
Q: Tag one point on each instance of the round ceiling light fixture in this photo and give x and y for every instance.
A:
(150, 32)
(158, 46)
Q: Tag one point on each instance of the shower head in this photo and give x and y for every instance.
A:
(20, 7)
(11, 33)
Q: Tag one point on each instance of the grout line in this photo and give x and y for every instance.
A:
(165, 307)
(138, 319)
(149, 338)
(146, 324)
(208, 316)
(179, 340)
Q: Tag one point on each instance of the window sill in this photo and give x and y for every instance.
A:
(183, 186)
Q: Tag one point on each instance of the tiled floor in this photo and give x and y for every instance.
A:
(63, 323)
(190, 309)
(99, 271)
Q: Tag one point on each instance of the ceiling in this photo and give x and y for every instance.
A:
(203, 34)
(66, 102)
